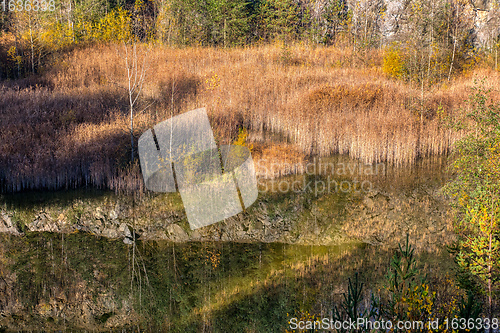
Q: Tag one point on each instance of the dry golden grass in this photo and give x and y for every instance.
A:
(70, 128)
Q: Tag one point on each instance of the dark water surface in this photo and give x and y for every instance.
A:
(82, 282)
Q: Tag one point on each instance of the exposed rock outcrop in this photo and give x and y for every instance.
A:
(375, 217)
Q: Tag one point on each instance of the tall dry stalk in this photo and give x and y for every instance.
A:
(73, 131)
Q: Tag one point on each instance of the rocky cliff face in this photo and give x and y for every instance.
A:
(480, 19)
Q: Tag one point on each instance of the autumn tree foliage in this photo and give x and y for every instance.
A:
(33, 35)
(432, 39)
(476, 191)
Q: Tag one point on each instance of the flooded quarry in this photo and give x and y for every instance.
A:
(97, 260)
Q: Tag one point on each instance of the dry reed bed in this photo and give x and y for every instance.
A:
(74, 130)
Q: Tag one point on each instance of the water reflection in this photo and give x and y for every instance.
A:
(81, 282)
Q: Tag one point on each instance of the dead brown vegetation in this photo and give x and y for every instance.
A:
(69, 128)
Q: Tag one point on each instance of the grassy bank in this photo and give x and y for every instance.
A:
(69, 127)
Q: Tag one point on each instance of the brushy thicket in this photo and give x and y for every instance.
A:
(69, 126)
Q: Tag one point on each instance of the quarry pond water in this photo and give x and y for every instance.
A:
(81, 281)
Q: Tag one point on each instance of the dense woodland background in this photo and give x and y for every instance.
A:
(427, 40)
